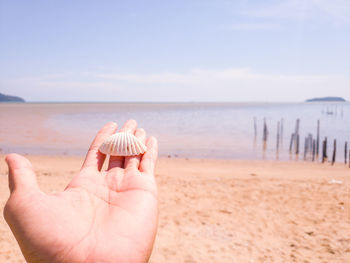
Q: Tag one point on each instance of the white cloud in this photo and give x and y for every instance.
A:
(334, 11)
(60, 88)
(255, 26)
(231, 84)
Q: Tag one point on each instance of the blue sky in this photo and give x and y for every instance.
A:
(240, 50)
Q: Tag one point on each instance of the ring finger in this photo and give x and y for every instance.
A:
(118, 161)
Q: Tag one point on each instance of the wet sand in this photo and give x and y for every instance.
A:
(229, 211)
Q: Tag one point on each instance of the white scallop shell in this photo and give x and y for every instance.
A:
(122, 144)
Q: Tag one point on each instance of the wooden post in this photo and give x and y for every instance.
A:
(265, 132)
(318, 138)
(278, 136)
(264, 138)
(310, 145)
(334, 151)
(291, 143)
(297, 145)
(324, 150)
(255, 128)
(297, 123)
(305, 148)
(296, 136)
(313, 149)
(281, 136)
(345, 152)
(322, 159)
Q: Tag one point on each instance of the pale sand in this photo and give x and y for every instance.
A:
(229, 211)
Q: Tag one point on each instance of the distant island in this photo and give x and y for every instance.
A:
(330, 99)
(8, 98)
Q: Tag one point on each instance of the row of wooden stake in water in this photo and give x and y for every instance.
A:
(311, 145)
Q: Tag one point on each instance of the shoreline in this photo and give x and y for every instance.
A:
(228, 210)
(185, 158)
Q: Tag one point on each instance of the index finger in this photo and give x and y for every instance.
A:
(94, 158)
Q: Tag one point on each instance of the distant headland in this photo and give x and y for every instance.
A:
(8, 98)
(330, 99)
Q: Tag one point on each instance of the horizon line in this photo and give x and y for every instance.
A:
(165, 102)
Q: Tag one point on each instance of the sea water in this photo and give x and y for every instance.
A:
(187, 130)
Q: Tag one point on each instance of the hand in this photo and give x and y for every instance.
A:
(102, 216)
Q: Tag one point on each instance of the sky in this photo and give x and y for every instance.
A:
(175, 51)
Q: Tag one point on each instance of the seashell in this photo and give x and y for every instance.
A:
(122, 144)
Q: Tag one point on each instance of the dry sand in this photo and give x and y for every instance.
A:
(229, 211)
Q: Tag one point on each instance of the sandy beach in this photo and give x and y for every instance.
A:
(246, 105)
(229, 211)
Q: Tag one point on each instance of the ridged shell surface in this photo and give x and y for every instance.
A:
(122, 144)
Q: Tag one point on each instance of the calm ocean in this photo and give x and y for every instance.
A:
(193, 130)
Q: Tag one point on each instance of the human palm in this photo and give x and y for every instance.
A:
(102, 216)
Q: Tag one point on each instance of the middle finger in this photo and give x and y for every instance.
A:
(118, 161)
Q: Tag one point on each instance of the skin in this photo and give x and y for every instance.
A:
(101, 216)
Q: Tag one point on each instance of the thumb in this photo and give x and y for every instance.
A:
(21, 174)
